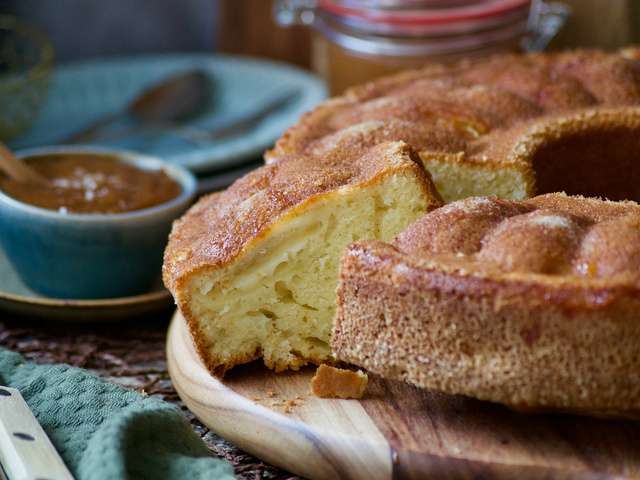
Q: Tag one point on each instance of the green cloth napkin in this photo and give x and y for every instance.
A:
(103, 431)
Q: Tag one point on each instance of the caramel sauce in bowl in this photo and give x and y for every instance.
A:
(92, 183)
(99, 229)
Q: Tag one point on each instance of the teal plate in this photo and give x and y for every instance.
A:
(15, 297)
(83, 92)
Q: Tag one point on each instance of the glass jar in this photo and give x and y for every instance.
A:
(358, 40)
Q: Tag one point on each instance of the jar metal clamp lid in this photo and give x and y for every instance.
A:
(393, 27)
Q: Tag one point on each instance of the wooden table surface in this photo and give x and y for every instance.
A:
(131, 354)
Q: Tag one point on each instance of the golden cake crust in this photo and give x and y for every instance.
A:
(488, 94)
(532, 304)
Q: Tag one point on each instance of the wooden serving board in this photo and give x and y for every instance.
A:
(396, 431)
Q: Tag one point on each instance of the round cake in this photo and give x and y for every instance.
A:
(254, 269)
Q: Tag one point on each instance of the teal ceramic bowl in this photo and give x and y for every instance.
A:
(91, 256)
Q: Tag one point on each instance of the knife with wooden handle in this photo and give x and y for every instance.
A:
(26, 453)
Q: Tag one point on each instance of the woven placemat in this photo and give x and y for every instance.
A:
(129, 353)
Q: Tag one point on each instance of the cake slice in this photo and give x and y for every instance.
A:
(533, 303)
(254, 269)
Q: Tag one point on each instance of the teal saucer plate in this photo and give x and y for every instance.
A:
(16, 298)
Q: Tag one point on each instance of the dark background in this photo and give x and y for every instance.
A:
(88, 28)
(94, 28)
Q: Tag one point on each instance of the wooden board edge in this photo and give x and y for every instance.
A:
(301, 449)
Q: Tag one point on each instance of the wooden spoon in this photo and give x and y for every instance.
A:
(17, 169)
